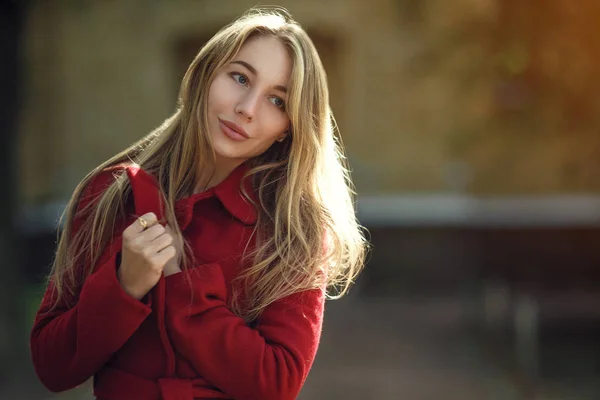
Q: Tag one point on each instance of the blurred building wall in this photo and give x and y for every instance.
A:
(103, 74)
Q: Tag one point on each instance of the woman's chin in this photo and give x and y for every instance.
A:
(229, 154)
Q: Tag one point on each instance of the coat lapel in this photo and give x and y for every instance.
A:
(147, 198)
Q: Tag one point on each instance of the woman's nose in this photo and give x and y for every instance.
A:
(247, 106)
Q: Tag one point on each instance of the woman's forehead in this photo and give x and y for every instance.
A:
(267, 58)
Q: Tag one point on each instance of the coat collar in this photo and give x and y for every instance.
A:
(230, 194)
(147, 197)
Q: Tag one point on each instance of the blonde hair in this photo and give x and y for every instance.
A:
(307, 234)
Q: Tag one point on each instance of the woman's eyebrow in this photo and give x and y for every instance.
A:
(250, 68)
(245, 64)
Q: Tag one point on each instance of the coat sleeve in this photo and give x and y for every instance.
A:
(72, 340)
(269, 361)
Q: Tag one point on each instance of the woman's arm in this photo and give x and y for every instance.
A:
(270, 361)
(70, 344)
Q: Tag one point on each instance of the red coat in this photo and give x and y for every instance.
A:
(181, 342)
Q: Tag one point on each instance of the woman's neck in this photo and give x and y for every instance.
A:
(209, 177)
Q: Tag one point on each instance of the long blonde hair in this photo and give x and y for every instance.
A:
(307, 235)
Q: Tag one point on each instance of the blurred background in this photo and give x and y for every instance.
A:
(472, 129)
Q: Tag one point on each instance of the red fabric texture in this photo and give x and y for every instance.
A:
(182, 341)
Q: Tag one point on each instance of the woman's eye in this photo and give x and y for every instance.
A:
(278, 102)
(240, 78)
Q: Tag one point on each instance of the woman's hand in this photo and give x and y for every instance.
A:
(173, 265)
(148, 248)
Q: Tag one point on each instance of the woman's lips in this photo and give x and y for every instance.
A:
(233, 131)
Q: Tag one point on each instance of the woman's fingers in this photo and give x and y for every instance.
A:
(161, 242)
(141, 224)
(178, 245)
(166, 254)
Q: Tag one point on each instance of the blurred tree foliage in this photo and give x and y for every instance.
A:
(539, 129)
(519, 89)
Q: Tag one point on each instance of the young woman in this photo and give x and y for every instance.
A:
(195, 264)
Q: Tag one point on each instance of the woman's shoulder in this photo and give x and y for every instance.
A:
(94, 186)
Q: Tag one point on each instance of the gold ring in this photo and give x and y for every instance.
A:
(143, 222)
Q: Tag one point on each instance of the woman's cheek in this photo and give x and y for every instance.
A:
(281, 123)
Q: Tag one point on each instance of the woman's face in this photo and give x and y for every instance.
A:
(247, 101)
